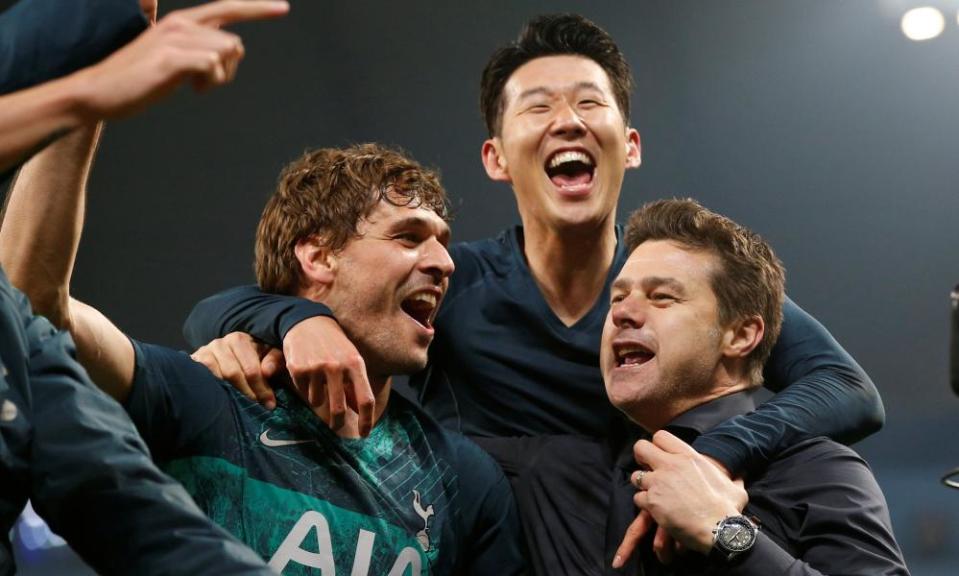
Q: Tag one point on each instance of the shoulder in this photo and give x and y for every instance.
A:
(481, 257)
(820, 470)
(164, 372)
(153, 360)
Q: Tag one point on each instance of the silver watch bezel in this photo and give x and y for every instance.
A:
(724, 541)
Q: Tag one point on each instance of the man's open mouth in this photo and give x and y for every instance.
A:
(632, 354)
(421, 306)
(570, 168)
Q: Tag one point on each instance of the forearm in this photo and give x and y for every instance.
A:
(43, 219)
(824, 392)
(267, 317)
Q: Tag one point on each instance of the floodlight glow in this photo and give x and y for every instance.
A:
(923, 23)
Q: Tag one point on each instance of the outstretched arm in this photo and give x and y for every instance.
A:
(187, 45)
(44, 215)
(822, 392)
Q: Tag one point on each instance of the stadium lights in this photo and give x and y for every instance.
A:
(923, 23)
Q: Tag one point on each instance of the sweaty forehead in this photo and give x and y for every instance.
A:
(387, 215)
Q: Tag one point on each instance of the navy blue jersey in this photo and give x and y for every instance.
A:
(502, 364)
(410, 499)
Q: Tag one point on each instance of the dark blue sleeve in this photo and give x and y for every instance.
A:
(493, 540)
(822, 392)
(44, 39)
(92, 479)
(266, 317)
(173, 400)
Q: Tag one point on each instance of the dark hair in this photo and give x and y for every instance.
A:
(750, 279)
(326, 192)
(551, 35)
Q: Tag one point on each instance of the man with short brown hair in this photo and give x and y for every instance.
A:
(298, 483)
(693, 314)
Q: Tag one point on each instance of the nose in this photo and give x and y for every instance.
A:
(567, 122)
(436, 260)
(628, 313)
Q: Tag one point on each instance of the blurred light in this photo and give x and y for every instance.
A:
(34, 532)
(923, 23)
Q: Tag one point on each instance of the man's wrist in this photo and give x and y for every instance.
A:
(733, 535)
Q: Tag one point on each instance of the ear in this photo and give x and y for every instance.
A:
(743, 336)
(317, 264)
(494, 161)
(634, 148)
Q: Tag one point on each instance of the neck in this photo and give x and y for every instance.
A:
(653, 416)
(570, 266)
(350, 428)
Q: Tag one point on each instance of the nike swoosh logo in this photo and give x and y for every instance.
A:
(273, 443)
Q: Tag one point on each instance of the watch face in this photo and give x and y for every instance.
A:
(737, 535)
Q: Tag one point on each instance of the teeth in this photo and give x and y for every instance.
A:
(570, 156)
(628, 350)
(425, 297)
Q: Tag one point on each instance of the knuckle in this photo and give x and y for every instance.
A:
(354, 360)
(365, 399)
(237, 337)
(331, 366)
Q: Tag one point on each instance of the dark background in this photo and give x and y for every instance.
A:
(816, 123)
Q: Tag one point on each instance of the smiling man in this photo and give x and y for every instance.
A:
(362, 229)
(693, 316)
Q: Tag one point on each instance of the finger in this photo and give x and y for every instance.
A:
(650, 455)
(337, 398)
(203, 356)
(231, 11)
(663, 546)
(638, 479)
(364, 402)
(213, 75)
(272, 362)
(249, 360)
(230, 369)
(302, 382)
(637, 529)
(641, 500)
(671, 443)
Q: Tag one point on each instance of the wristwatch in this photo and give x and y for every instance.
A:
(734, 535)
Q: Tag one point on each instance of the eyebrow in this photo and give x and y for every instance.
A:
(443, 233)
(650, 283)
(543, 90)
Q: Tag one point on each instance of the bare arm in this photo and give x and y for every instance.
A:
(44, 215)
(41, 231)
(185, 46)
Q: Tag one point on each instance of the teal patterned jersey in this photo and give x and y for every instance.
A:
(410, 499)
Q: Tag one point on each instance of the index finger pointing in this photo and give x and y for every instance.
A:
(225, 12)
